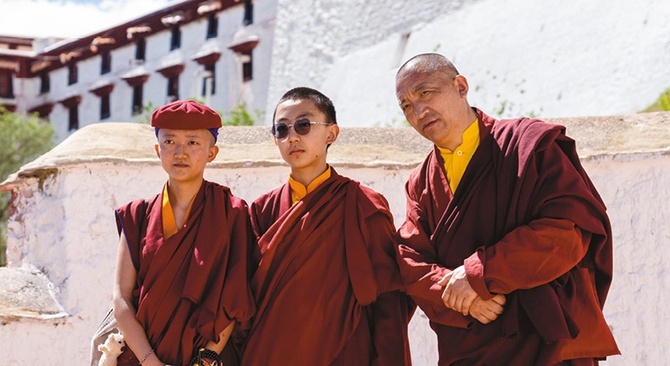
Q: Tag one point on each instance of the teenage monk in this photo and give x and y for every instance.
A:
(327, 286)
(181, 276)
(506, 245)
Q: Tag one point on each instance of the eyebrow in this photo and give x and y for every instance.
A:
(303, 115)
(422, 85)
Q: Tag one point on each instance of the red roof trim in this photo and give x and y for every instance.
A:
(71, 102)
(102, 89)
(171, 71)
(42, 110)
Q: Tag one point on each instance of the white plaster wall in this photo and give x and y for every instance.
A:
(68, 231)
(549, 58)
(637, 192)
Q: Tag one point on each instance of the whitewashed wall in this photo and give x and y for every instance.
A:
(549, 58)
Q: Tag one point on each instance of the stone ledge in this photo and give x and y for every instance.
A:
(131, 143)
(27, 293)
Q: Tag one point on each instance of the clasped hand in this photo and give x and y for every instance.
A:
(459, 296)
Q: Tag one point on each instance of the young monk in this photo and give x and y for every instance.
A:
(181, 276)
(327, 286)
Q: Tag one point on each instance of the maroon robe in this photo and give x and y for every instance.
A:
(192, 285)
(327, 286)
(527, 222)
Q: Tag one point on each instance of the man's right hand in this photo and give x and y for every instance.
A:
(486, 311)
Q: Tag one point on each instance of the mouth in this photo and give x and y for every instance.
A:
(428, 124)
(296, 151)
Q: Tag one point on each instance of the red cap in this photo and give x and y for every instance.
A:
(185, 115)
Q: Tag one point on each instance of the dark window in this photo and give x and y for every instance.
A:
(106, 63)
(248, 12)
(212, 26)
(247, 68)
(104, 107)
(140, 49)
(175, 42)
(6, 87)
(137, 99)
(173, 88)
(72, 74)
(45, 83)
(209, 78)
(74, 118)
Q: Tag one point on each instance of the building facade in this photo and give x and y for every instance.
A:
(216, 51)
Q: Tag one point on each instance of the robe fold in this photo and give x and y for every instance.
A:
(327, 286)
(525, 221)
(193, 284)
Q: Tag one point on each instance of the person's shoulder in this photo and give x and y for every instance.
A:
(523, 126)
(138, 203)
(267, 198)
(236, 202)
(525, 134)
(417, 178)
(371, 201)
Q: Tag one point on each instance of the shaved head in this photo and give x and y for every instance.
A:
(428, 63)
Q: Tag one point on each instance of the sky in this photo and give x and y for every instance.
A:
(70, 18)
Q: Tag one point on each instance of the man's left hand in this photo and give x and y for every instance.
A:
(457, 294)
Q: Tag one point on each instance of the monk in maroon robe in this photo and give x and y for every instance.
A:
(182, 263)
(509, 254)
(327, 286)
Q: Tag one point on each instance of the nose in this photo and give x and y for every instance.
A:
(292, 135)
(420, 111)
(179, 150)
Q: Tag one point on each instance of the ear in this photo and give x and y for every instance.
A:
(462, 85)
(213, 152)
(333, 132)
(158, 153)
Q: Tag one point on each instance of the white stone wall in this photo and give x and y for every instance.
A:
(67, 230)
(549, 58)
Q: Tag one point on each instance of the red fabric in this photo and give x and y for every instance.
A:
(192, 285)
(185, 115)
(327, 286)
(527, 222)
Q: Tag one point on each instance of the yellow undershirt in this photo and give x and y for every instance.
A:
(456, 161)
(169, 223)
(299, 191)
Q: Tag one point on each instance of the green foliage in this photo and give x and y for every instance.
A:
(239, 116)
(145, 116)
(661, 104)
(23, 138)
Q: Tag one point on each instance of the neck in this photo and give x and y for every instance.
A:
(465, 122)
(306, 175)
(181, 193)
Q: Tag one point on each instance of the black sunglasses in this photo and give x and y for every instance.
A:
(301, 126)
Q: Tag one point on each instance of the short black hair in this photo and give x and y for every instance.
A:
(322, 102)
(429, 62)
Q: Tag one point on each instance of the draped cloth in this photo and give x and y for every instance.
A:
(527, 222)
(193, 284)
(327, 285)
